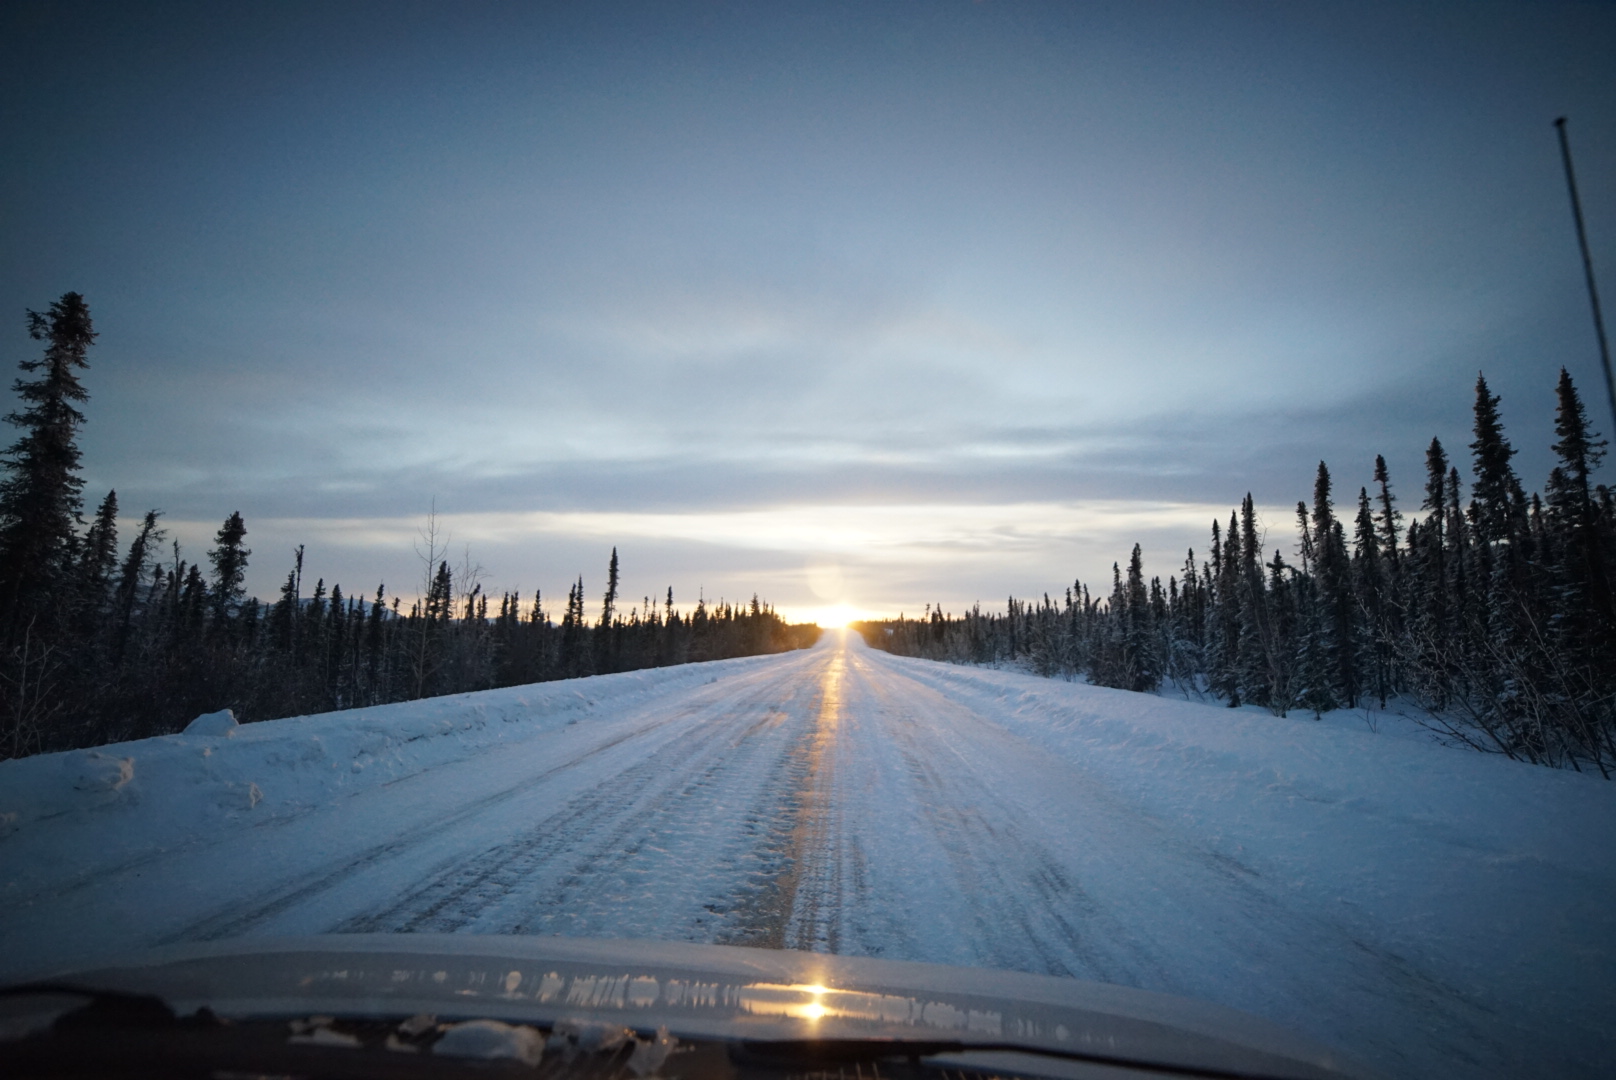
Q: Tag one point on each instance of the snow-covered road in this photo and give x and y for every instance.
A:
(1431, 911)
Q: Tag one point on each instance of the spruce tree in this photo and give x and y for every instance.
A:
(609, 604)
(1225, 676)
(98, 559)
(1371, 584)
(375, 646)
(1460, 556)
(572, 658)
(1574, 519)
(606, 632)
(1323, 520)
(1366, 535)
(1335, 602)
(1496, 488)
(1389, 516)
(191, 608)
(1314, 668)
(1433, 565)
(41, 497)
(1141, 671)
(1187, 658)
(1436, 480)
(136, 565)
(1110, 665)
(1283, 633)
(283, 616)
(1256, 643)
(229, 561)
(336, 649)
(1304, 532)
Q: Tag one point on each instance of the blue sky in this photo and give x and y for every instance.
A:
(865, 304)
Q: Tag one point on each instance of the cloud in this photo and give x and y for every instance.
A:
(553, 262)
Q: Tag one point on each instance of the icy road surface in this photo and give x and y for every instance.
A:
(1433, 912)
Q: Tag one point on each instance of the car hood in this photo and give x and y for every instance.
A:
(709, 991)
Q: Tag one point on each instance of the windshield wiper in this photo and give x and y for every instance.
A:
(111, 1008)
(862, 1051)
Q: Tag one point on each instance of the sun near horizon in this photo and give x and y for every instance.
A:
(831, 617)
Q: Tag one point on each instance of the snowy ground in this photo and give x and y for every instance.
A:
(1434, 912)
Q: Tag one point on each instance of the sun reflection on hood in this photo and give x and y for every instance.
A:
(815, 1001)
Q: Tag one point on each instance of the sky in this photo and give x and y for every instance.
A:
(857, 307)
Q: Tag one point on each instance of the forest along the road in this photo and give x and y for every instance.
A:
(1432, 911)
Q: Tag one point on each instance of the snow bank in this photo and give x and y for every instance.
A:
(222, 722)
(69, 815)
(1496, 873)
(1200, 762)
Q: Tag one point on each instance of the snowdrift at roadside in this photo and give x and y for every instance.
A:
(74, 812)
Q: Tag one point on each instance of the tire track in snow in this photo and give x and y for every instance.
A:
(795, 907)
(244, 916)
(554, 866)
(1025, 908)
(1175, 887)
(818, 849)
(1019, 874)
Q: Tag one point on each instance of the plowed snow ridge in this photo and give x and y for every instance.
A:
(1433, 912)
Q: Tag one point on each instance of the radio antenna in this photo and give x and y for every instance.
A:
(1587, 264)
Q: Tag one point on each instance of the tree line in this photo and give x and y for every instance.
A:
(1493, 616)
(101, 643)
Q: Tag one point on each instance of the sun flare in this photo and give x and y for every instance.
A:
(835, 617)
